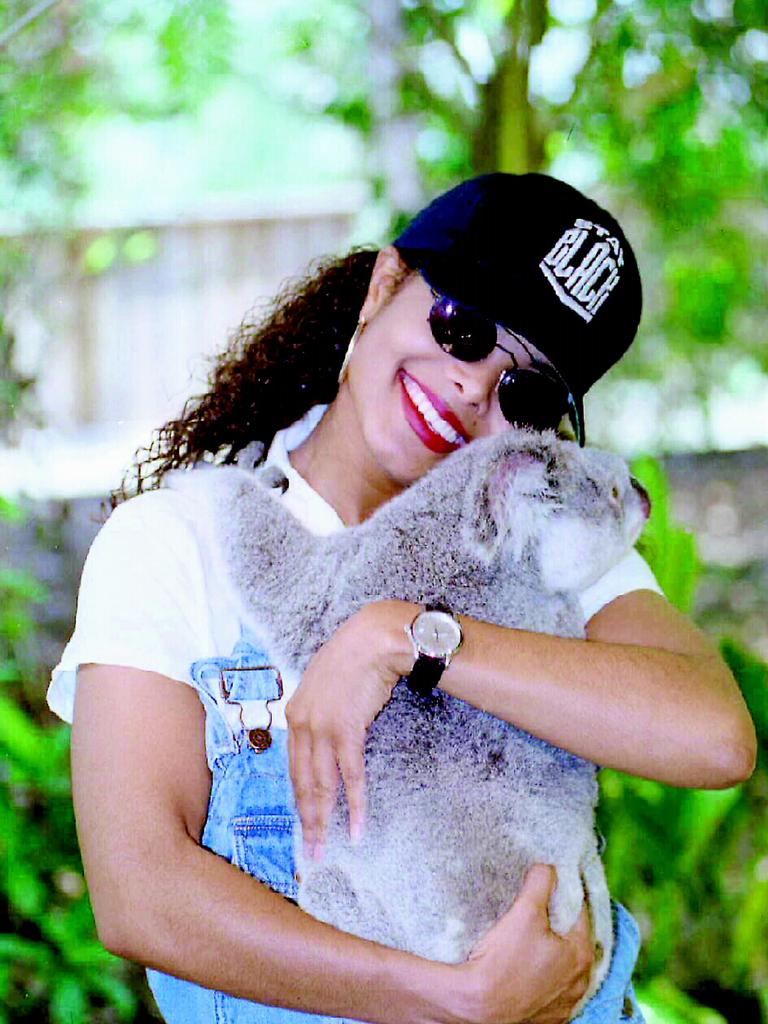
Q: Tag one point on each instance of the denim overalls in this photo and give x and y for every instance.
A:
(250, 823)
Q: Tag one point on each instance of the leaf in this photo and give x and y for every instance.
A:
(100, 255)
(69, 1003)
(751, 674)
(21, 738)
(704, 813)
(670, 549)
(663, 1003)
(115, 991)
(749, 928)
(12, 947)
(10, 511)
(22, 584)
(26, 890)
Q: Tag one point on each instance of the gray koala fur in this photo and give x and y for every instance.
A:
(460, 803)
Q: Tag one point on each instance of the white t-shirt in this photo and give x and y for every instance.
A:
(153, 596)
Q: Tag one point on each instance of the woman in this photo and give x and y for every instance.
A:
(503, 301)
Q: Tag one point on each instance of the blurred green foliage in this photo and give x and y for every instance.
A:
(76, 63)
(693, 864)
(52, 967)
(669, 549)
(91, 60)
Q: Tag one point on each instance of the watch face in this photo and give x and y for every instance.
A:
(436, 634)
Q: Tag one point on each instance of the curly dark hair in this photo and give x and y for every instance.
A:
(276, 366)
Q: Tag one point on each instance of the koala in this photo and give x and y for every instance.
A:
(461, 804)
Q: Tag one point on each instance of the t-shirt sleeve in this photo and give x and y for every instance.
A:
(632, 572)
(142, 597)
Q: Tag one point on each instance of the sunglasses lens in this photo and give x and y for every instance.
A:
(461, 332)
(531, 399)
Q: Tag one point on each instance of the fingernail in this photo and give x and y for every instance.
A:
(355, 832)
(318, 851)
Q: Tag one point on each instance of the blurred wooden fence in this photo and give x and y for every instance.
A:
(116, 322)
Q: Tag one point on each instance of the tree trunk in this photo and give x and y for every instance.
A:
(508, 138)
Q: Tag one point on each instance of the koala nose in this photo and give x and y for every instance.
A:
(645, 500)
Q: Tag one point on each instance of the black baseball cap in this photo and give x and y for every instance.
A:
(539, 258)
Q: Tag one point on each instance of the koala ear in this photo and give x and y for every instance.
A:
(503, 507)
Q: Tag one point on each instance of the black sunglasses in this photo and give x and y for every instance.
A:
(533, 396)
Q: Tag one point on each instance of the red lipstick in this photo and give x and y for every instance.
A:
(419, 425)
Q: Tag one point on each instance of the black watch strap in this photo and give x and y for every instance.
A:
(425, 675)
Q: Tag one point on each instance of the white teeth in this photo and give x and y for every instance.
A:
(430, 414)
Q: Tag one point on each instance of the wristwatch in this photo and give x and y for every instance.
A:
(436, 636)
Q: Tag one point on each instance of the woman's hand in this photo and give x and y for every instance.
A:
(521, 970)
(344, 687)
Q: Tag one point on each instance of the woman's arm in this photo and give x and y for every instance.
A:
(141, 789)
(646, 693)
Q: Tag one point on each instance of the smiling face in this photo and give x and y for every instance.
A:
(412, 402)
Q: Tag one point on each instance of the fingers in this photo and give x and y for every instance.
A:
(314, 763)
(528, 971)
(315, 777)
(328, 723)
(352, 766)
(539, 884)
(582, 929)
(580, 943)
(300, 767)
(532, 908)
(325, 784)
(528, 917)
(582, 939)
(533, 899)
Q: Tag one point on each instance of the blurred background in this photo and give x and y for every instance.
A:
(165, 166)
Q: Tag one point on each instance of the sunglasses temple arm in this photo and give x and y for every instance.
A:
(574, 413)
(576, 421)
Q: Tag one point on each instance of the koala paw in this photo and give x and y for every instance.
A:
(566, 901)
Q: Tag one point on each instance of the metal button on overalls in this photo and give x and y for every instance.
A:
(260, 740)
